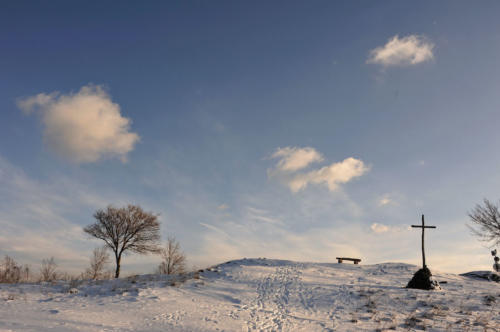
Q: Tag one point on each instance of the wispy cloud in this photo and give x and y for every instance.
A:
(321, 243)
(273, 241)
(37, 218)
(40, 219)
(213, 228)
(262, 215)
(405, 51)
(82, 127)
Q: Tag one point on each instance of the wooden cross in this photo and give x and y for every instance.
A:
(423, 229)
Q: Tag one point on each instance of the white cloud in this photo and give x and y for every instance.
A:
(84, 126)
(294, 158)
(385, 200)
(30, 103)
(333, 175)
(409, 50)
(223, 207)
(381, 228)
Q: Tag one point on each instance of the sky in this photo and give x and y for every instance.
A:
(281, 129)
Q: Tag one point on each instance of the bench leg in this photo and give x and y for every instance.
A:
(356, 262)
(340, 261)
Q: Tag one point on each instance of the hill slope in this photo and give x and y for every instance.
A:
(257, 295)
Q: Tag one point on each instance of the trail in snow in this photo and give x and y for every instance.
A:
(270, 310)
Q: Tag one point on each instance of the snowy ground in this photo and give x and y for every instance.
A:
(257, 295)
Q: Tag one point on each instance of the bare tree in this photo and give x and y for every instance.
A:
(98, 262)
(26, 273)
(174, 260)
(10, 271)
(126, 229)
(48, 270)
(486, 218)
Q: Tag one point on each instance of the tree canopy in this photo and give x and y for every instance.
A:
(125, 229)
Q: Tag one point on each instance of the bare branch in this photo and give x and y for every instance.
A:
(486, 222)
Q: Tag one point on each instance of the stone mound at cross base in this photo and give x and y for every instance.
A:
(422, 279)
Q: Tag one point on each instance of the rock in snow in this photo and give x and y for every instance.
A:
(423, 279)
(257, 295)
(487, 275)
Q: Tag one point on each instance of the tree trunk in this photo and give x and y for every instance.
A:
(118, 259)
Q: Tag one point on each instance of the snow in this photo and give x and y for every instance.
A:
(257, 295)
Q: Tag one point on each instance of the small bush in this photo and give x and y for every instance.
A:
(48, 270)
(11, 272)
(98, 264)
(173, 259)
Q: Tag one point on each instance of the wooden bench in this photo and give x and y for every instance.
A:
(355, 260)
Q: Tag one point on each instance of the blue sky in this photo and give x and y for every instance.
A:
(299, 130)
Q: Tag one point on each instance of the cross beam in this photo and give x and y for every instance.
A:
(423, 229)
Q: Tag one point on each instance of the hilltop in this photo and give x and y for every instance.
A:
(256, 295)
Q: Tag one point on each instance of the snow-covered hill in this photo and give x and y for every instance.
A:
(257, 295)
